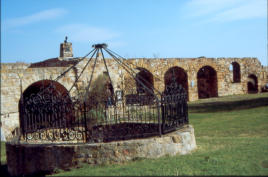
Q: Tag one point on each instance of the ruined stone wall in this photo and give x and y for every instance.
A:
(15, 78)
(158, 67)
(265, 73)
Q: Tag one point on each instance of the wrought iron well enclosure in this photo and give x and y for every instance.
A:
(98, 113)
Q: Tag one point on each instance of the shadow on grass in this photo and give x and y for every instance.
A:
(227, 105)
(4, 172)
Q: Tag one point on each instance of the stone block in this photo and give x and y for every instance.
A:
(176, 139)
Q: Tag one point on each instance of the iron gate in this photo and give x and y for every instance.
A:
(174, 107)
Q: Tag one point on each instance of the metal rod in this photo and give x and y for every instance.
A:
(138, 80)
(63, 74)
(85, 122)
(106, 67)
(82, 71)
(122, 63)
(92, 73)
(132, 63)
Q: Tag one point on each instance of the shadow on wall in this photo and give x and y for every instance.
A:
(252, 84)
(207, 82)
(180, 76)
(146, 78)
(236, 72)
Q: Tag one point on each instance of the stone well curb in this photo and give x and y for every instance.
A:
(32, 158)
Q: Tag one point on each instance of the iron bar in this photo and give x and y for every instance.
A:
(66, 71)
(106, 66)
(85, 121)
(121, 63)
(92, 73)
(82, 71)
(131, 70)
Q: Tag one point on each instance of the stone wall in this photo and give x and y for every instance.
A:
(266, 73)
(32, 158)
(16, 77)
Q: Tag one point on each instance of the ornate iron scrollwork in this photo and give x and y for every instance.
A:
(50, 114)
(174, 106)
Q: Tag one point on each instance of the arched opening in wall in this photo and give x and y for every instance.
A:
(236, 72)
(207, 83)
(45, 104)
(252, 84)
(143, 78)
(180, 77)
(146, 78)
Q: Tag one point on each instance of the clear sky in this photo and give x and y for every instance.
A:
(31, 30)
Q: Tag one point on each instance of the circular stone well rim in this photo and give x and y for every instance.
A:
(24, 159)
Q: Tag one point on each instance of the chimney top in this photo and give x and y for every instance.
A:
(66, 50)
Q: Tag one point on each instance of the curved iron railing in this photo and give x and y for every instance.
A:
(99, 114)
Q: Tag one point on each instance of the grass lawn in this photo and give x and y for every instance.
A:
(3, 153)
(230, 141)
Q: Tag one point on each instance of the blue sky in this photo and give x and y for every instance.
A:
(32, 30)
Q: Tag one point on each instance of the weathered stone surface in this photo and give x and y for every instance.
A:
(9, 123)
(30, 158)
(176, 139)
(16, 77)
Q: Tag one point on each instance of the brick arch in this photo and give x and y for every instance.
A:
(146, 78)
(57, 93)
(252, 83)
(180, 76)
(207, 83)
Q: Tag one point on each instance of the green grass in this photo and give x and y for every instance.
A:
(224, 156)
(242, 123)
(3, 153)
(230, 142)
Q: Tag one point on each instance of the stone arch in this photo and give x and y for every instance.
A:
(38, 85)
(180, 76)
(147, 79)
(44, 98)
(236, 72)
(252, 83)
(207, 82)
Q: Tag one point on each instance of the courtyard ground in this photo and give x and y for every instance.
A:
(231, 135)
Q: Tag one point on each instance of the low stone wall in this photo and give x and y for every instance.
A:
(33, 158)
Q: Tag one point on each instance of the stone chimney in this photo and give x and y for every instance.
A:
(66, 49)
